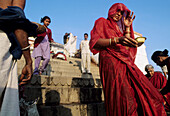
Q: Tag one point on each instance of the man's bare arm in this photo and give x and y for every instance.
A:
(22, 38)
(5, 3)
(19, 3)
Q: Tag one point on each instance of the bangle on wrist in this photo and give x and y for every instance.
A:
(127, 31)
(127, 28)
(110, 42)
(23, 49)
(115, 40)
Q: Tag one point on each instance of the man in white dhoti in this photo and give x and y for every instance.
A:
(85, 54)
(9, 103)
(14, 42)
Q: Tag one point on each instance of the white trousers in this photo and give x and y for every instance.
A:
(9, 98)
(85, 59)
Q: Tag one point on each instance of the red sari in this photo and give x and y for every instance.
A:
(127, 91)
(159, 82)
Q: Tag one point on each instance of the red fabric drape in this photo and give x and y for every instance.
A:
(127, 91)
(40, 37)
(159, 82)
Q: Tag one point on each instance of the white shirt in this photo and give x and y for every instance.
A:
(85, 46)
(164, 68)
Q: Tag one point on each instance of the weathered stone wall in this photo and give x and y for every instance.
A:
(63, 91)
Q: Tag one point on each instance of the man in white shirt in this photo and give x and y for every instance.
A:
(85, 54)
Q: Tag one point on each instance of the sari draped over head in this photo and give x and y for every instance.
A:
(106, 29)
(127, 91)
(159, 82)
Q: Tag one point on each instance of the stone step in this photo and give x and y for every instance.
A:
(74, 74)
(66, 69)
(55, 66)
(72, 66)
(22, 64)
(45, 81)
(95, 109)
(71, 71)
(65, 73)
(63, 95)
(68, 59)
(72, 61)
(69, 67)
(58, 61)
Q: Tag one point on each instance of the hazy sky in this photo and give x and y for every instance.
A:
(78, 17)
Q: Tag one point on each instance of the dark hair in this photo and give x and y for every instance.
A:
(44, 18)
(159, 53)
(85, 34)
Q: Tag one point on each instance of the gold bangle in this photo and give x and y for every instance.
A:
(115, 40)
(127, 29)
(110, 42)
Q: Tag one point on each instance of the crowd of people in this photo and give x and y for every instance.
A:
(127, 91)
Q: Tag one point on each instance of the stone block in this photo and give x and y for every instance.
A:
(83, 82)
(63, 95)
(96, 109)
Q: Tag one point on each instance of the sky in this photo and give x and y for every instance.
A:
(78, 17)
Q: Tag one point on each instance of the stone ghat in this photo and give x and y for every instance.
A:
(62, 90)
(65, 81)
(80, 90)
(95, 109)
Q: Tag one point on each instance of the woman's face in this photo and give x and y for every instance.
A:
(46, 22)
(159, 61)
(150, 72)
(118, 15)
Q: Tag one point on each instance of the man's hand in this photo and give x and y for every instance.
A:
(26, 71)
(52, 41)
(22, 38)
(127, 41)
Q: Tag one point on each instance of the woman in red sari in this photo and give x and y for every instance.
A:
(127, 91)
(159, 82)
